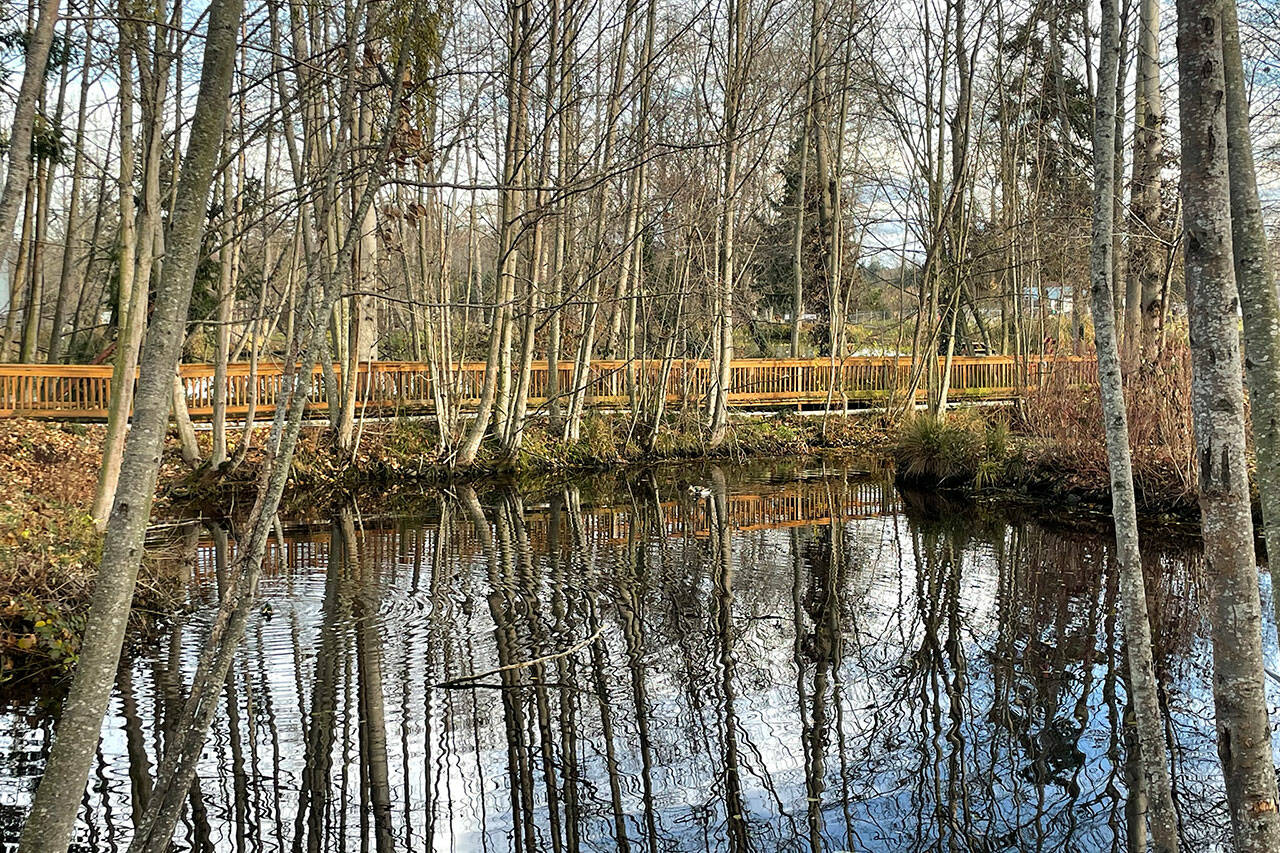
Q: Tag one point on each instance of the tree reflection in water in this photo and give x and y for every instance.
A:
(750, 662)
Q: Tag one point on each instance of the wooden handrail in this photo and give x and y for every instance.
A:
(83, 392)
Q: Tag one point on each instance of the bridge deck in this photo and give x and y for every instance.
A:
(392, 387)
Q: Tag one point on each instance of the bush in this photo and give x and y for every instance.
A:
(955, 450)
(1064, 422)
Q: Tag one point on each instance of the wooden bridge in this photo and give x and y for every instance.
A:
(83, 392)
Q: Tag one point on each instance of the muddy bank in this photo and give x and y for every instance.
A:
(49, 549)
(406, 455)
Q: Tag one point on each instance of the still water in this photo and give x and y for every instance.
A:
(719, 658)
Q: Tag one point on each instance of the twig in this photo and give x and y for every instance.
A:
(461, 681)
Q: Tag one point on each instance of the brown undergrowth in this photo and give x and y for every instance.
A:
(49, 548)
(406, 454)
(1066, 448)
(1052, 446)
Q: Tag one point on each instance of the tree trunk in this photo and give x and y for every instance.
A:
(23, 125)
(797, 240)
(1244, 736)
(131, 309)
(497, 360)
(1146, 234)
(68, 280)
(1143, 686)
(735, 78)
(187, 442)
(1261, 309)
(58, 797)
(17, 290)
(223, 319)
(178, 767)
(593, 269)
(35, 292)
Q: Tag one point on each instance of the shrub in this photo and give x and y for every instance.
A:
(952, 450)
(1064, 420)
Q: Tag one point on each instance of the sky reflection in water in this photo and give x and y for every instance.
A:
(716, 658)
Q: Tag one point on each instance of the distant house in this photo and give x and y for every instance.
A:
(806, 317)
(1056, 298)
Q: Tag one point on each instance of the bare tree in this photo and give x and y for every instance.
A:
(20, 131)
(1258, 299)
(737, 55)
(1244, 736)
(49, 825)
(68, 281)
(1143, 309)
(1143, 687)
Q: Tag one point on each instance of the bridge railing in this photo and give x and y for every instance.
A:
(84, 391)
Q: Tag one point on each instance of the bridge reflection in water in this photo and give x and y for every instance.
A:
(84, 391)
(765, 660)
(800, 504)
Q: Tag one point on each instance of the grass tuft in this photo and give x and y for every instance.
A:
(955, 450)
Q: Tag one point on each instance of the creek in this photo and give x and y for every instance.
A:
(781, 656)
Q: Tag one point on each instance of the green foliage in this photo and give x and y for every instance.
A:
(40, 629)
(48, 141)
(957, 450)
(62, 50)
(768, 436)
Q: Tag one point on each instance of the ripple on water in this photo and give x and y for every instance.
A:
(838, 662)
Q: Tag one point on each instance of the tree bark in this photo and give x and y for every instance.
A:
(57, 799)
(1243, 733)
(1143, 686)
(593, 269)
(23, 125)
(1143, 309)
(498, 358)
(223, 318)
(1261, 309)
(71, 279)
(735, 74)
(17, 290)
(125, 362)
(35, 291)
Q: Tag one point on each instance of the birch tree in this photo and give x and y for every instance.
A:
(1143, 308)
(1258, 299)
(735, 77)
(1143, 686)
(57, 799)
(22, 128)
(1243, 733)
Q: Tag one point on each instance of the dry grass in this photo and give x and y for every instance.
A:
(960, 449)
(407, 452)
(1064, 422)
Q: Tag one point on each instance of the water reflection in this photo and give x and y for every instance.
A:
(722, 660)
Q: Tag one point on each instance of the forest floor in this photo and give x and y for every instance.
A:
(49, 548)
